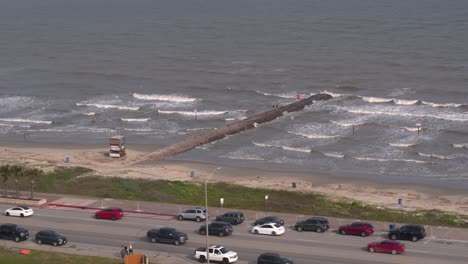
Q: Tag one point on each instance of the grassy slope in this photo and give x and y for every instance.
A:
(66, 180)
(12, 256)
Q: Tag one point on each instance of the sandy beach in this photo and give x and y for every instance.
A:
(47, 156)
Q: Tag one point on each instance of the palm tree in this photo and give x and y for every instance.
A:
(17, 172)
(32, 175)
(4, 173)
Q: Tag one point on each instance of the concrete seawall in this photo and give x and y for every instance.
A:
(232, 128)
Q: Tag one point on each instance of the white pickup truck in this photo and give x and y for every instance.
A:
(216, 253)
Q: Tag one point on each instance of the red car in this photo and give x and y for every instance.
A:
(110, 213)
(357, 228)
(387, 246)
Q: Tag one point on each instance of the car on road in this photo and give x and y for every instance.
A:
(317, 224)
(217, 229)
(408, 232)
(357, 228)
(217, 254)
(21, 211)
(110, 213)
(234, 218)
(273, 258)
(167, 235)
(386, 246)
(197, 214)
(273, 229)
(268, 219)
(13, 232)
(50, 237)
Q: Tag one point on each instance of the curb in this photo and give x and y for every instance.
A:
(97, 209)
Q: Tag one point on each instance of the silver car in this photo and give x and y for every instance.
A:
(197, 214)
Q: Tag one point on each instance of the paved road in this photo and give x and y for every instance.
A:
(103, 237)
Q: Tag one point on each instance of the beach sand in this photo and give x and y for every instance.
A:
(48, 156)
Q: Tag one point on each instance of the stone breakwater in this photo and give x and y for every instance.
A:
(233, 128)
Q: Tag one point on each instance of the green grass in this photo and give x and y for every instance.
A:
(12, 256)
(72, 181)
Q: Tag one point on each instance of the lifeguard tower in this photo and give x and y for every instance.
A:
(117, 146)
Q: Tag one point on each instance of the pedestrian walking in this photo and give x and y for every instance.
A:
(122, 252)
(126, 250)
(130, 248)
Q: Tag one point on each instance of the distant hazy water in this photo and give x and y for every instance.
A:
(388, 64)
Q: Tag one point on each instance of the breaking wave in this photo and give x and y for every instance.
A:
(20, 120)
(402, 145)
(193, 113)
(135, 119)
(430, 155)
(465, 145)
(313, 135)
(109, 106)
(169, 98)
(396, 160)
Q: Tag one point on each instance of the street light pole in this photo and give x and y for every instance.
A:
(206, 218)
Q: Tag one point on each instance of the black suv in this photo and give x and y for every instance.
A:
(317, 224)
(13, 232)
(408, 232)
(234, 218)
(166, 235)
(216, 228)
(268, 219)
(50, 237)
(273, 258)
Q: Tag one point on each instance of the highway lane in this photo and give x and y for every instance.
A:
(84, 231)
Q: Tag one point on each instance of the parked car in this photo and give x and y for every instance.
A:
(357, 228)
(387, 246)
(268, 219)
(197, 214)
(273, 258)
(21, 211)
(110, 213)
(217, 228)
(166, 235)
(50, 237)
(234, 218)
(317, 224)
(13, 232)
(216, 253)
(408, 232)
(273, 229)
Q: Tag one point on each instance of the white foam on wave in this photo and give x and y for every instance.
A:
(21, 120)
(283, 95)
(109, 106)
(441, 104)
(313, 135)
(390, 160)
(139, 129)
(345, 124)
(402, 145)
(134, 119)
(335, 95)
(334, 154)
(408, 102)
(430, 155)
(90, 114)
(304, 150)
(193, 113)
(447, 116)
(463, 145)
(411, 129)
(376, 99)
(169, 98)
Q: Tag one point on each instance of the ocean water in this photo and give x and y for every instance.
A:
(159, 71)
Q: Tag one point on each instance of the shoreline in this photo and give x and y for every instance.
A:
(46, 156)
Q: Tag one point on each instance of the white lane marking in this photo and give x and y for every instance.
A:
(425, 243)
(418, 251)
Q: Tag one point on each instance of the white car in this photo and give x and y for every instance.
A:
(273, 229)
(19, 211)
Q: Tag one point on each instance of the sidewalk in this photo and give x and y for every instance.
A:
(171, 210)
